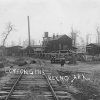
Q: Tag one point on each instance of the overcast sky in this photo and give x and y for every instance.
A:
(54, 16)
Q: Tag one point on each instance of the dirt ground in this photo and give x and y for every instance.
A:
(93, 70)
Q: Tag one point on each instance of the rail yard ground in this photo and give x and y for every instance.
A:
(77, 78)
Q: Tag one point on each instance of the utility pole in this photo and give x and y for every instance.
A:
(29, 31)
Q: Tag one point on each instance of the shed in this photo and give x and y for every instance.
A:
(93, 49)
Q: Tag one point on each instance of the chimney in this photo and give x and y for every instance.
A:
(46, 34)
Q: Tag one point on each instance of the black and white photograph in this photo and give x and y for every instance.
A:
(49, 49)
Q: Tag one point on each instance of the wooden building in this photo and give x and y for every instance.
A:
(13, 51)
(20, 51)
(57, 43)
(2, 48)
(93, 49)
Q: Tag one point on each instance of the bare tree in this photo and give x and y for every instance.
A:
(5, 34)
(13, 43)
(26, 43)
(19, 42)
(74, 36)
(88, 38)
(8, 30)
(98, 34)
(32, 42)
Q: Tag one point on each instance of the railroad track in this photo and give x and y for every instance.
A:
(60, 90)
(23, 86)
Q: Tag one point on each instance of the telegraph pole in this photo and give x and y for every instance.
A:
(29, 31)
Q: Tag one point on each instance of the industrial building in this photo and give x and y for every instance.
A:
(57, 43)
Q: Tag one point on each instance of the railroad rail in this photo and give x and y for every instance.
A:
(13, 87)
(62, 89)
(17, 87)
(76, 88)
